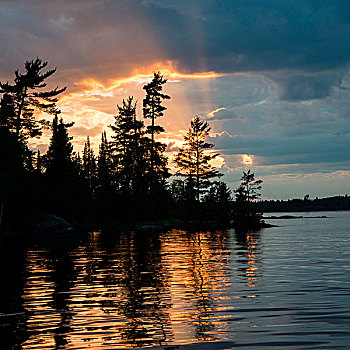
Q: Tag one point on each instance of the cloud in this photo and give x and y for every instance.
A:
(222, 113)
(216, 36)
(83, 131)
(308, 87)
(271, 77)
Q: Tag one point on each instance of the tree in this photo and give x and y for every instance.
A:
(246, 212)
(89, 166)
(105, 185)
(250, 187)
(193, 160)
(218, 202)
(26, 98)
(104, 164)
(153, 109)
(184, 195)
(7, 112)
(58, 159)
(128, 146)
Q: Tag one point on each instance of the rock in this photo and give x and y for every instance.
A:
(49, 223)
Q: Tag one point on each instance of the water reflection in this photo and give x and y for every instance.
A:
(220, 290)
(249, 251)
(131, 289)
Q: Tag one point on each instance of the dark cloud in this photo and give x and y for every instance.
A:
(308, 87)
(224, 36)
(255, 35)
(288, 103)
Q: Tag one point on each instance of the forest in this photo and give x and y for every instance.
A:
(128, 180)
(306, 204)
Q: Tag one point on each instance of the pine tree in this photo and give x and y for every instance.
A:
(246, 211)
(26, 98)
(249, 187)
(193, 160)
(153, 109)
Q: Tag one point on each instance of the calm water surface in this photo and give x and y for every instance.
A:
(283, 287)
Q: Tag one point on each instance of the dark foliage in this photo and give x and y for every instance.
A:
(306, 204)
(25, 98)
(126, 181)
(246, 211)
(193, 160)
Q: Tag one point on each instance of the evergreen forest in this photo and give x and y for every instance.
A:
(127, 180)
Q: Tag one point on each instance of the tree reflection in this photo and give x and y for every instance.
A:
(49, 278)
(128, 289)
(128, 282)
(199, 269)
(248, 248)
(13, 320)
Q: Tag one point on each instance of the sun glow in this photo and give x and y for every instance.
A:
(91, 86)
(247, 159)
(91, 103)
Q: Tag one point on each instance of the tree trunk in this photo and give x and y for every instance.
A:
(1, 211)
(18, 121)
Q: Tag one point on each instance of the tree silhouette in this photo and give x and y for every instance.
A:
(59, 186)
(153, 109)
(218, 202)
(58, 159)
(193, 160)
(26, 98)
(89, 168)
(127, 147)
(104, 164)
(249, 187)
(246, 211)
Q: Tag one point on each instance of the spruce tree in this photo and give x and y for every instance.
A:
(218, 202)
(105, 197)
(58, 159)
(89, 166)
(128, 147)
(193, 160)
(104, 164)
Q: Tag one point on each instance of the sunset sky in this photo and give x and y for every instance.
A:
(271, 77)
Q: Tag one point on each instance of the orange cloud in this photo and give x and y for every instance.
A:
(91, 86)
(247, 159)
(212, 113)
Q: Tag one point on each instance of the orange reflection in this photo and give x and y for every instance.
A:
(134, 290)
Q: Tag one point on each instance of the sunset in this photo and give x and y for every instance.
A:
(271, 79)
(174, 174)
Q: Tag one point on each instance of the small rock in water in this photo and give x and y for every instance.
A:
(49, 223)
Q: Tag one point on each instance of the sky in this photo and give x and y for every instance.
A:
(271, 77)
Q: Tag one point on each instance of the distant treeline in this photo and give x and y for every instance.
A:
(128, 180)
(306, 204)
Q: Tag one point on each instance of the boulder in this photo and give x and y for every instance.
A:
(49, 223)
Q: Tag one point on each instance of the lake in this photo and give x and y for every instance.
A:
(283, 287)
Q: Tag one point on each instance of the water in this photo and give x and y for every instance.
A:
(283, 287)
